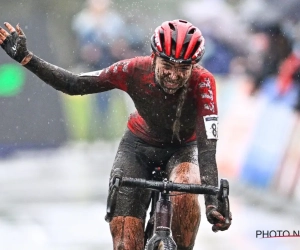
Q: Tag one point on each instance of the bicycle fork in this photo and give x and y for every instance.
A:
(162, 238)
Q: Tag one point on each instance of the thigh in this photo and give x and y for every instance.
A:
(131, 201)
(183, 168)
(183, 165)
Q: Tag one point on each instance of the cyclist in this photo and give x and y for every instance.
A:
(175, 125)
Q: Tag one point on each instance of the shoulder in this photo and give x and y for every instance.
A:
(129, 66)
(201, 77)
(203, 87)
(143, 63)
(200, 72)
(140, 63)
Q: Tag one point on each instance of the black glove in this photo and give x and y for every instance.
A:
(14, 43)
(215, 217)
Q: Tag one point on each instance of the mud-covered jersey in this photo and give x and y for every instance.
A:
(155, 109)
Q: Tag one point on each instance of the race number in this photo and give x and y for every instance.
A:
(93, 73)
(211, 126)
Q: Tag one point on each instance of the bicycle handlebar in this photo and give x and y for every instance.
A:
(167, 186)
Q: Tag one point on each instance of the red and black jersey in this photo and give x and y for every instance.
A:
(156, 110)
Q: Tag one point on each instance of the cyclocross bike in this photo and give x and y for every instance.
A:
(158, 235)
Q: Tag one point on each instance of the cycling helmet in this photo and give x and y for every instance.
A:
(178, 41)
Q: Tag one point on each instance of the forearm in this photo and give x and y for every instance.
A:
(61, 79)
(207, 137)
(208, 172)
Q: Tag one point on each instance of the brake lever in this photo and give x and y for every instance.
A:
(113, 190)
(111, 199)
(223, 196)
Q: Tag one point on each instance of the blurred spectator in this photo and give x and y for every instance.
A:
(221, 28)
(269, 47)
(289, 73)
(289, 9)
(97, 27)
(289, 82)
(103, 38)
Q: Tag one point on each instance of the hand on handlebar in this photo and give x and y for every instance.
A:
(14, 42)
(215, 217)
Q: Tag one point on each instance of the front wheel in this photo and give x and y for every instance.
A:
(166, 244)
(161, 246)
(161, 241)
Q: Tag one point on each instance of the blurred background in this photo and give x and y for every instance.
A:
(56, 151)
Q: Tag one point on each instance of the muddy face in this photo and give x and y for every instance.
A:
(171, 76)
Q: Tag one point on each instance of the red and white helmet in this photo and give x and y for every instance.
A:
(178, 41)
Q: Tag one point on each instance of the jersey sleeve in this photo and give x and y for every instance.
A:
(207, 132)
(115, 76)
(207, 109)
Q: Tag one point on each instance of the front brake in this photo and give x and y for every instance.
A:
(112, 195)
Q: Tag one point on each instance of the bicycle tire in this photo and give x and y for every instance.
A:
(162, 244)
(166, 244)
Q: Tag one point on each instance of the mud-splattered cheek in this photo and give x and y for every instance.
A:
(161, 75)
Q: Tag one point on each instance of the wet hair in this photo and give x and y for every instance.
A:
(176, 124)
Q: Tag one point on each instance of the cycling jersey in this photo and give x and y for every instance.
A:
(156, 110)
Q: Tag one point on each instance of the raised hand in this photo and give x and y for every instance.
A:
(14, 43)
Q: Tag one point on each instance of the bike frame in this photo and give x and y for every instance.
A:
(162, 233)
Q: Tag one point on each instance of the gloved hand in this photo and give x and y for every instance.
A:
(14, 42)
(215, 217)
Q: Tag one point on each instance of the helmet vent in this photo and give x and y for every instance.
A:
(162, 38)
(172, 26)
(196, 47)
(192, 31)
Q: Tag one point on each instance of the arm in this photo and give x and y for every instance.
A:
(207, 162)
(66, 81)
(207, 135)
(206, 130)
(14, 44)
